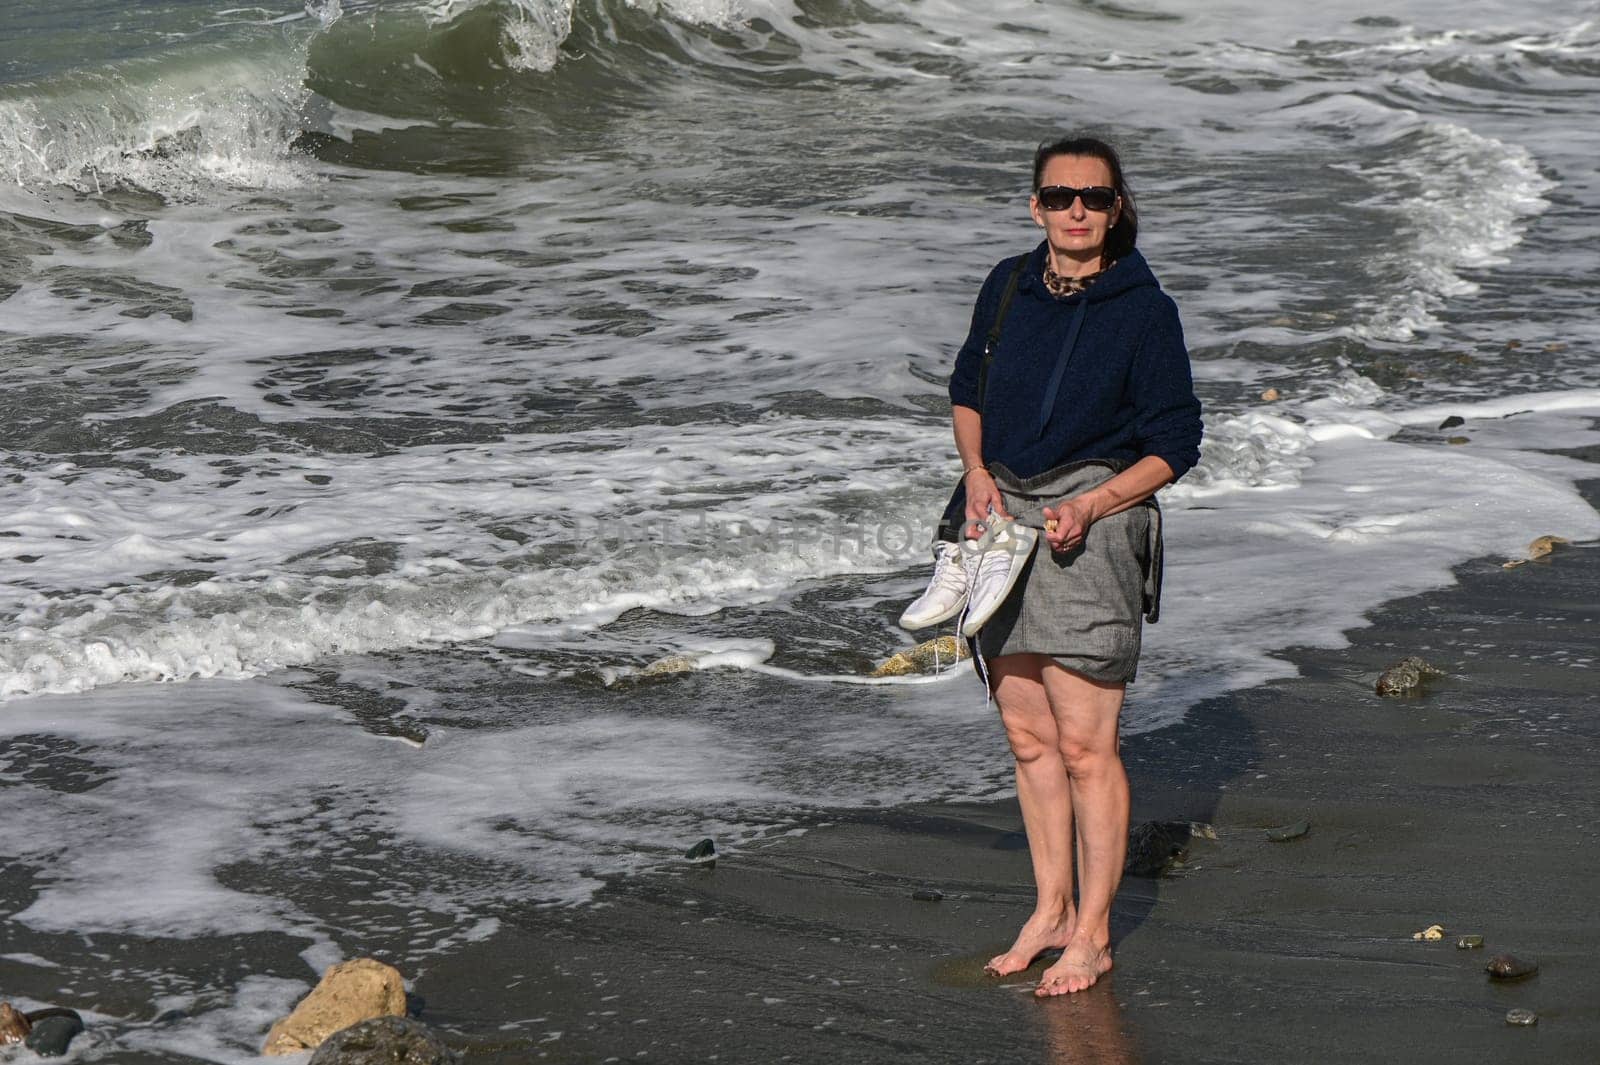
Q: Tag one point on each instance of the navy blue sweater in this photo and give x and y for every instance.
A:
(1125, 392)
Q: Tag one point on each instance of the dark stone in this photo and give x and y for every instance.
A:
(1510, 967)
(1452, 421)
(927, 895)
(1469, 942)
(704, 851)
(1156, 846)
(183, 142)
(384, 1041)
(1288, 832)
(1521, 1018)
(51, 1035)
(324, 146)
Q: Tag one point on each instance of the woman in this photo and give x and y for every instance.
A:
(1086, 409)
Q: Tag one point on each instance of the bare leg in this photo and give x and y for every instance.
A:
(1086, 713)
(1043, 793)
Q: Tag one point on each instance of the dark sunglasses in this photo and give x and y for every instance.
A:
(1060, 197)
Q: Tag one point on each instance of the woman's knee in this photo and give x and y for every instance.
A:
(1030, 734)
(1088, 753)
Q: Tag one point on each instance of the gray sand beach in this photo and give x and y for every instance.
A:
(461, 453)
(1472, 807)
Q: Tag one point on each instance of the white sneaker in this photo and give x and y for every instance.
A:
(946, 594)
(993, 564)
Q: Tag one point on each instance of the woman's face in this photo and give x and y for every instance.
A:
(1076, 230)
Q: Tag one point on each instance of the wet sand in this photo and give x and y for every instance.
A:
(1473, 807)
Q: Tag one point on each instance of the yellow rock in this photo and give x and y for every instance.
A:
(1432, 933)
(1539, 548)
(349, 992)
(1544, 545)
(1271, 395)
(896, 665)
(670, 664)
(930, 656)
(14, 1027)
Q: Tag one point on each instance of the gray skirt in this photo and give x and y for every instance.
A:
(1083, 607)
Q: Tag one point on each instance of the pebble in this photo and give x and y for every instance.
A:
(1521, 1018)
(704, 851)
(1452, 421)
(1433, 933)
(1469, 942)
(927, 895)
(52, 1035)
(1510, 967)
(1288, 832)
(1458, 440)
(1271, 395)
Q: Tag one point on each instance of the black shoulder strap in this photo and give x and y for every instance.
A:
(994, 330)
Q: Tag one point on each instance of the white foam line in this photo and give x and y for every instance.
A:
(847, 678)
(1583, 399)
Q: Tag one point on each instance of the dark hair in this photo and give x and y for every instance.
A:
(1125, 234)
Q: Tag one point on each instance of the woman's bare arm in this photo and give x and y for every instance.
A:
(981, 491)
(1127, 489)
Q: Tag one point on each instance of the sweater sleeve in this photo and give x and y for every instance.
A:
(969, 360)
(1167, 412)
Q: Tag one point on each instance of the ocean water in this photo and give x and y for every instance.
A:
(481, 447)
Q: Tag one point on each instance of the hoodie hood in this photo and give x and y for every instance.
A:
(1128, 272)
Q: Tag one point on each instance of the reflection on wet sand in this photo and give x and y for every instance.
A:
(1086, 1028)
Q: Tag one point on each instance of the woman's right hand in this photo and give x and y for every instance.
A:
(983, 495)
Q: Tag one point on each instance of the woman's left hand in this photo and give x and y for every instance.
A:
(1067, 523)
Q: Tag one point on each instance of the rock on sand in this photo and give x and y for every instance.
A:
(1406, 677)
(1156, 846)
(14, 1027)
(1510, 967)
(349, 992)
(930, 656)
(384, 1041)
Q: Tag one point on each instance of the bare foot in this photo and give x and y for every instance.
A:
(1041, 933)
(1081, 964)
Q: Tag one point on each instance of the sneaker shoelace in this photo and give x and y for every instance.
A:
(948, 571)
(971, 564)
